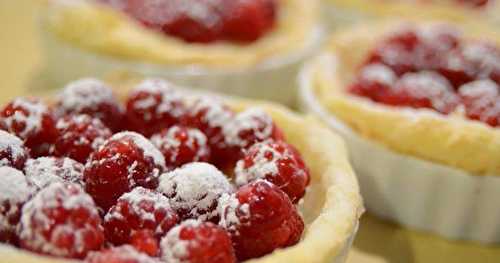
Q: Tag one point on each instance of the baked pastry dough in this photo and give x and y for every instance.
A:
(450, 140)
(331, 208)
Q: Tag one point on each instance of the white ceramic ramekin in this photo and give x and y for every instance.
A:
(414, 192)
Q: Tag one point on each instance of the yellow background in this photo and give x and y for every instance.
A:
(21, 64)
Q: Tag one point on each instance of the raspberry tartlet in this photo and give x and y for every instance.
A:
(126, 203)
(237, 47)
(418, 104)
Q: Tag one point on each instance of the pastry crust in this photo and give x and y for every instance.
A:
(444, 9)
(450, 140)
(331, 208)
(103, 30)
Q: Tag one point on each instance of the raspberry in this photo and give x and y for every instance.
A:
(249, 127)
(44, 171)
(79, 136)
(197, 242)
(456, 69)
(193, 190)
(31, 121)
(484, 57)
(482, 101)
(181, 145)
(424, 90)
(139, 209)
(92, 97)
(374, 81)
(247, 21)
(123, 254)
(146, 242)
(61, 220)
(123, 162)
(12, 151)
(210, 115)
(15, 190)
(278, 163)
(260, 218)
(153, 106)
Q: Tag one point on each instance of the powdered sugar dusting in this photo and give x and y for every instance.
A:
(174, 248)
(483, 99)
(47, 170)
(196, 141)
(55, 196)
(125, 253)
(195, 188)
(264, 164)
(168, 101)
(32, 119)
(13, 145)
(252, 119)
(140, 141)
(378, 73)
(85, 93)
(216, 113)
(14, 190)
(232, 211)
(428, 84)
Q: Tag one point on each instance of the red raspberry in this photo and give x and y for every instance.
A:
(249, 127)
(123, 162)
(12, 151)
(44, 171)
(276, 162)
(197, 242)
(194, 189)
(374, 81)
(456, 69)
(92, 97)
(484, 57)
(31, 121)
(248, 20)
(79, 136)
(146, 242)
(123, 254)
(61, 220)
(424, 90)
(15, 190)
(153, 106)
(181, 145)
(139, 209)
(482, 101)
(260, 218)
(210, 115)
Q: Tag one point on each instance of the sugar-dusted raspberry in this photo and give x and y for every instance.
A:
(424, 90)
(482, 101)
(79, 136)
(276, 162)
(32, 121)
(92, 97)
(458, 70)
(123, 162)
(248, 20)
(47, 170)
(194, 189)
(247, 128)
(209, 115)
(181, 145)
(145, 241)
(139, 209)
(12, 151)
(483, 56)
(374, 81)
(197, 242)
(122, 254)
(153, 106)
(260, 218)
(61, 220)
(15, 190)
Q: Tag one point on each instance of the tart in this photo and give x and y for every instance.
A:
(192, 193)
(240, 47)
(418, 104)
(338, 12)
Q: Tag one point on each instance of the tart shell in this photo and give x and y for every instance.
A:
(108, 41)
(417, 192)
(331, 208)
